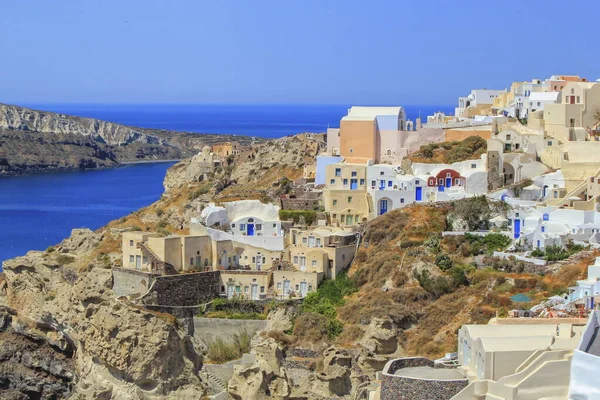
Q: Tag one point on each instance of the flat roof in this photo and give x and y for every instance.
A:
(426, 372)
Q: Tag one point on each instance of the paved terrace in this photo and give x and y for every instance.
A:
(427, 372)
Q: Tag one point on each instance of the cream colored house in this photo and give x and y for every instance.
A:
(345, 195)
(314, 255)
(572, 117)
(187, 253)
(517, 360)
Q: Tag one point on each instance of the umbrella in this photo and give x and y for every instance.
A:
(520, 298)
(574, 198)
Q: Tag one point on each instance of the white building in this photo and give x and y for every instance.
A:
(475, 98)
(583, 384)
(246, 221)
(538, 100)
(588, 288)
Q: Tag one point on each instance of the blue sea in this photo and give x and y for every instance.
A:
(37, 211)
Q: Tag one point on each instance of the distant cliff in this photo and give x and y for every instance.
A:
(37, 141)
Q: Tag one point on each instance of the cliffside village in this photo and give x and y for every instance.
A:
(544, 133)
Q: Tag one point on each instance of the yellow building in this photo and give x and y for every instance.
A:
(146, 251)
(314, 255)
(345, 194)
(226, 149)
(572, 117)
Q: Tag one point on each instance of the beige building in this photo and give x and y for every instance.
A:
(146, 251)
(572, 117)
(248, 285)
(345, 195)
(225, 149)
(518, 360)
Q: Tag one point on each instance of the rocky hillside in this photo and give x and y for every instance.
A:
(64, 333)
(37, 141)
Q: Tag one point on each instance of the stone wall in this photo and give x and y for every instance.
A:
(127, 282)
(208, 329)
(400, 388)
(494, 176)
(183, 289)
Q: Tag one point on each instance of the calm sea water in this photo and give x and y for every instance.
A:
(269, 121)
(38, 211)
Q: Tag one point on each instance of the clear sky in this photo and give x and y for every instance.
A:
(287, 51)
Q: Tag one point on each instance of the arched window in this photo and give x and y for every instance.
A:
(250, 219)
(546, 217)
(389, 152)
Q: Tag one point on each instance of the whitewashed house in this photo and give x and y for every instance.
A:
(588, 288)
(389, 189)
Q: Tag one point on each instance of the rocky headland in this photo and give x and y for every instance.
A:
(38, 141)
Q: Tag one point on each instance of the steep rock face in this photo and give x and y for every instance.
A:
(265, 379)
(32, 366)
(120, 351)
(25, 119)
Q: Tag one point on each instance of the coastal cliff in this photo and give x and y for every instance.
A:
(38, 141)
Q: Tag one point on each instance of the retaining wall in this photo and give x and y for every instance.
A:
(208, 329)
(402, 388)
(129, 281)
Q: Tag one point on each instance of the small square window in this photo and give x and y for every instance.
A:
(402, 201)
(295, 259)
(473, 165)
(332, 181)
(258, 227)
(335, 203)
(417, 182)
(390, 183)
(362, 182)
(274, 225)
(297, 287)
(278, 285)
(222, 289)
(242, 227)
(349, 199)
(233, 225)
(314, 263)
(380, 172)
(131, 243)
(353, 173)
(338, 172)
(262, 289)
(373, 183)
(345, 182)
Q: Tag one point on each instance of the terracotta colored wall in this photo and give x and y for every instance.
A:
(360, 136)
(458, 134)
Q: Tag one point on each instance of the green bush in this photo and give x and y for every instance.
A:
(444, 262)
(204, 189)
(294, 215)
(159, 212)
(489, 243)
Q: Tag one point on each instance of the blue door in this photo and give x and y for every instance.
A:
(419, 193)
(250, 229)
(517, 228)
(448, 182)
(538, 244)
(353, 184)
(440, 188)
(382, 207)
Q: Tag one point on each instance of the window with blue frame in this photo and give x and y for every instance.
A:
(390, 183)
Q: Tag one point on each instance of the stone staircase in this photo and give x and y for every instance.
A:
(158, 265)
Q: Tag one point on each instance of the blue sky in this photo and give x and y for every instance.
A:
(292, 51)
